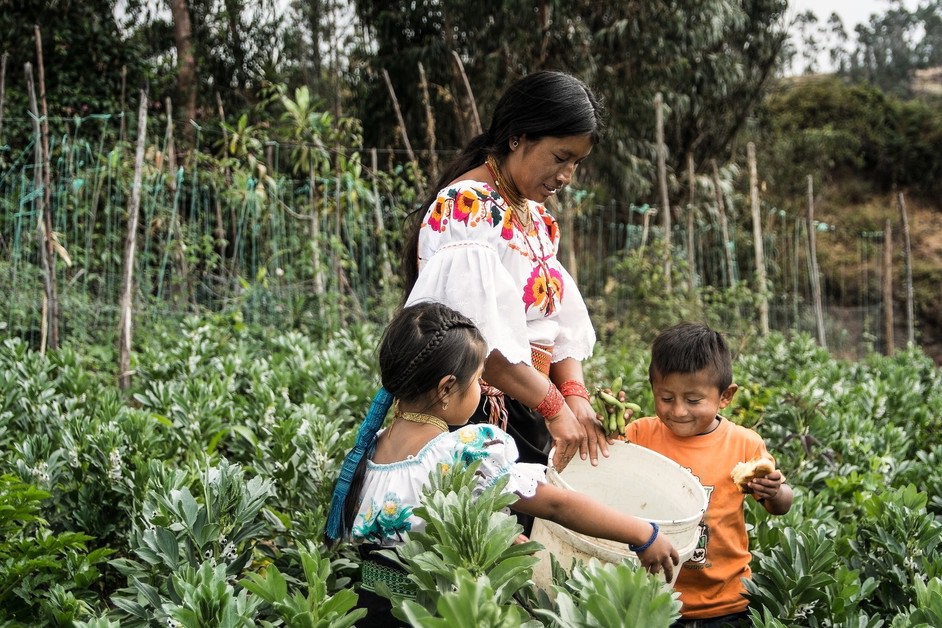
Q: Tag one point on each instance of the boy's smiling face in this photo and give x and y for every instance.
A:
(687, 403)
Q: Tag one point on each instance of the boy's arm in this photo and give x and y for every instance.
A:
(772, 492)
(781, 503)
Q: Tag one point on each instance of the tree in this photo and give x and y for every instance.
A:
(186, 63)
(712, 60)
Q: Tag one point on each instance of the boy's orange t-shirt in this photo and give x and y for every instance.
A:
(710, 582)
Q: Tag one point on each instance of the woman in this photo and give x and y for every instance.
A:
(487, 248)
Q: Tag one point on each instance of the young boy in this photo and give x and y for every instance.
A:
(692, 378)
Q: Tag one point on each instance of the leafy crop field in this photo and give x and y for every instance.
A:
(199, 497)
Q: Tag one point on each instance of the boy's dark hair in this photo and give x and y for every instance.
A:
(542, 104)
(424, 343)
(688, 348)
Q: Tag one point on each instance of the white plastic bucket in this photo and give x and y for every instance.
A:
(633, 480)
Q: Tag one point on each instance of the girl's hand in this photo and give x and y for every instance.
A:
(569, 437)
(595, 437)
(661, 555)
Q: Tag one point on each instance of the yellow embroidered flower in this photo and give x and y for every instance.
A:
(467, 435)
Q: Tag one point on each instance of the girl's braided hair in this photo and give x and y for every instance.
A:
(422, 344)
(425, 342)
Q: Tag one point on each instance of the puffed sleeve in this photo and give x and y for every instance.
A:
(460, 266)
(576, 336)
(498, 454)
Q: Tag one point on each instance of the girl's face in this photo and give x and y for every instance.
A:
(687, 403)
(539, 168)
(463, 399)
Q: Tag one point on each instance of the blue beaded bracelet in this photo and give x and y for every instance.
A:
(650, 541)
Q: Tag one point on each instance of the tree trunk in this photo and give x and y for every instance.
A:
(186, 65)
(3, 90)
(477, 128)
(429, 125)
(662, 185)
(130, 245)
(236, 47)
(402, 123)
(691, 256)
(757, 237)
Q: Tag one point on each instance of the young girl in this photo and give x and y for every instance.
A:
(431, 359)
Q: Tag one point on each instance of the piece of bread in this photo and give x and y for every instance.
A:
(744, 472)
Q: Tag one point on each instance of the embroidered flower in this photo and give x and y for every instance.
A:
(507, 225)
(438, 216)
(466, 204)
(384, 520)
(543, 292)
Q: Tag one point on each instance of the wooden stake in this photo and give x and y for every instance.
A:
(662, 185)
(813, 264)
(908, 252)
(402, 123)
(169, 145)
(691, 258)
(724, 226)
(41, 231)
(124, 80)
(53, 294)
(380, 231)
(476, 119)
(3, 89)
(130, 244)
(429, 124)
(888, 288)
(222, 122)
(757, 237)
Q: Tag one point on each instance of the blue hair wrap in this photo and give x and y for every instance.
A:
(366, 439)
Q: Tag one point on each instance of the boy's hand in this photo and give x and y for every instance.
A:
(767, 487)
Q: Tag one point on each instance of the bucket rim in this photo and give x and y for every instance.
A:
(551, 471)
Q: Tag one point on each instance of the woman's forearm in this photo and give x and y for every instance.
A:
(520, 381)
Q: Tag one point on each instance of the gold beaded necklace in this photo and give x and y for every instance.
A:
(420, 417)
(513, 198)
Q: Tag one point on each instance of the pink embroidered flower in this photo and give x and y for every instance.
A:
(439, 214)
(507, 225)
(466, 204)
(542, 293)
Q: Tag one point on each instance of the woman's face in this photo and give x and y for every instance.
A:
(539, 168)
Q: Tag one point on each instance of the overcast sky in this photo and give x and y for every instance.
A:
(851, 12)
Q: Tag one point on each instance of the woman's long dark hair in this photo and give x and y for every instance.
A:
(422, 344)
(542, 104)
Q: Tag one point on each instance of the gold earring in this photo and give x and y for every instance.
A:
(514, 144)
(444, 404)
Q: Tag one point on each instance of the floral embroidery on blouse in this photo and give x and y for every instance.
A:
(463, 205)
(381, 521)
(542, 291)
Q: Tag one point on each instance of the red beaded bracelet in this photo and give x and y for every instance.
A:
(574, 388)
(552, 403)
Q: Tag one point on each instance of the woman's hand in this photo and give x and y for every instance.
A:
(660, 555)
(568, 436)
(595, 435)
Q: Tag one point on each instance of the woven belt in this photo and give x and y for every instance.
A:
(542, 357)
(396, 579)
